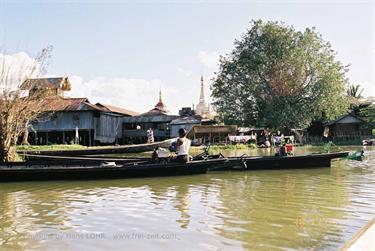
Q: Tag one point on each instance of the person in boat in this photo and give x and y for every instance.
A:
(277, 141)
(267, 144)
(281, 151)
(289, 147)
(182, 146)
(272, 140)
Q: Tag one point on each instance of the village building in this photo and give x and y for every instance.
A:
(347, 127)
(186, 123)
(73, 120)
(158, 119)
(212, 134)
(186, 112)
(76, 120)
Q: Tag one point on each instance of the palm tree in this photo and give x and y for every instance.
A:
(354, 91)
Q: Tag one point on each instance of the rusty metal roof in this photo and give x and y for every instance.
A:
(119, 110)
(154, 112)
(57, 103)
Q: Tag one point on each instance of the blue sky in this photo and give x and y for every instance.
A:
(122, 52)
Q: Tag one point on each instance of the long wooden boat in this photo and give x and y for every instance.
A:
(99, 169)
(100, 150)
(27, 172)
(286, 162)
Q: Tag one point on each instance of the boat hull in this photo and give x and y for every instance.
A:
(288, 162)
(130, 170)
(84, 170)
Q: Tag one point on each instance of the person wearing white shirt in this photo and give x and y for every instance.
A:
(182, 146)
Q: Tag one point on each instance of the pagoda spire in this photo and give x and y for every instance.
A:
(160, 96)
(160, 105)
(201, 97)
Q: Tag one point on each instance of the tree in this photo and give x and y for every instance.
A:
(354, 91)
(368, 113)
(17, 107)
(279, 77)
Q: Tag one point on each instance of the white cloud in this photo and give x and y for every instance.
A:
(14, 68)
(135, 94)
(209, 59)
(368, 89)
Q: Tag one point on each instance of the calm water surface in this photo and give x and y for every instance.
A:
(316, 209)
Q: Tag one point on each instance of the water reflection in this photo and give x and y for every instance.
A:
(262, 210)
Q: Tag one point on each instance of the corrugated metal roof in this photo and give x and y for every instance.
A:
(58, 103)
(118, 110)
(355, 119)
(150, 119)
(186, 120)
(154, 112)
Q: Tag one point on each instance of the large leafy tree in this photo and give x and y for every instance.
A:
(279, 77)
(368, 114)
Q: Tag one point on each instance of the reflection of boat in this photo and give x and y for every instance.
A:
(101, 150)
(107, 170)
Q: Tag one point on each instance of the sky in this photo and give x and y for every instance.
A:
(123, 52)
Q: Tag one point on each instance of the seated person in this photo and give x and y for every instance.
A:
(267, 144)
(289, 148)
(277, 140)
(282, 150)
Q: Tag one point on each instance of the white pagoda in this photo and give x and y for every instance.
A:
(203, 108)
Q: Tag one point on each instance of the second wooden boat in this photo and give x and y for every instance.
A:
(286, 162)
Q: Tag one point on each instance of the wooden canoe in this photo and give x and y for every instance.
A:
(286, 162)
(109, 171)
(59, 170)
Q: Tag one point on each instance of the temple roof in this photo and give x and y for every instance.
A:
(155, 111)
(160, 105)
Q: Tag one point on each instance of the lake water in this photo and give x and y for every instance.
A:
(317, 209)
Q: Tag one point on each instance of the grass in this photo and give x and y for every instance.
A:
(78, 147)
(215, 149)
(233, 147)
(49, 147)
